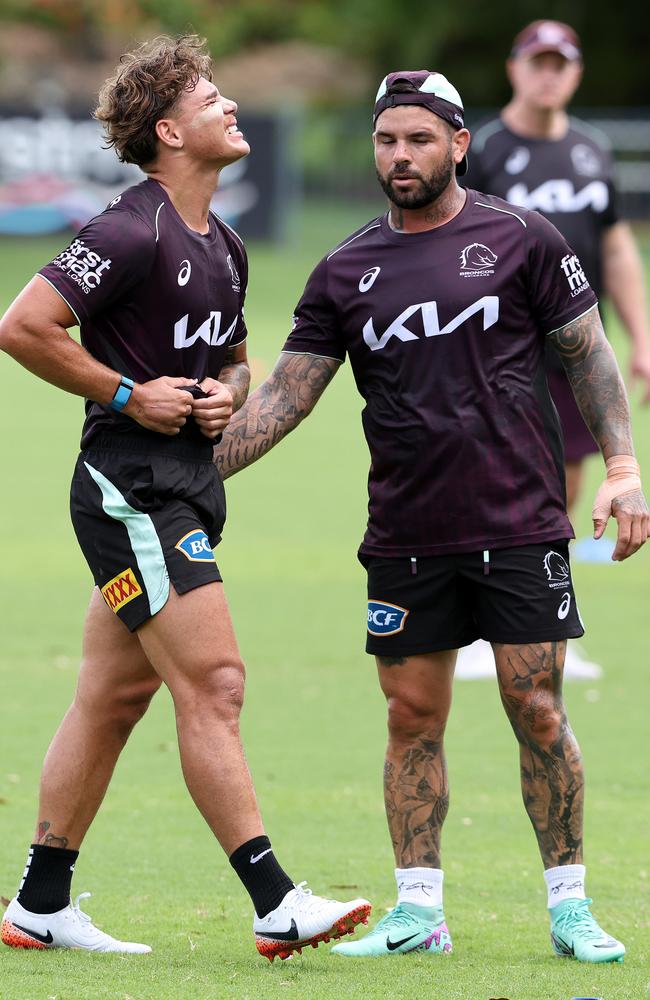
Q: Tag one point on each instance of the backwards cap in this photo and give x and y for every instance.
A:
(428, 90)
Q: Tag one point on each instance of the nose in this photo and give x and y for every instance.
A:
(401, 153)
(229, 106)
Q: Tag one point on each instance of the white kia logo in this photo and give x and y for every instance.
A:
(368, 279)
(184, 273)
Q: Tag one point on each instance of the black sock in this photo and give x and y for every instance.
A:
(266, 883)
(45, 887)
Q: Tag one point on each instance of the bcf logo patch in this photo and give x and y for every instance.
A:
(385, 619)
(121, 589)
(195, 546)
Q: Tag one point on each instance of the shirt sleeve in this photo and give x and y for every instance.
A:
(558, 287)
(241, 332)
(111, 254)
(612, 213)
(316, 327)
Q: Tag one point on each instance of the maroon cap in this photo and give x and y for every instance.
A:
(547, 36)
(427, 89)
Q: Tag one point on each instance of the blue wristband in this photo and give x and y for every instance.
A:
(122, 394)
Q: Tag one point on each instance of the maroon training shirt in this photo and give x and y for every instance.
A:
(445, 332)
(152, 296)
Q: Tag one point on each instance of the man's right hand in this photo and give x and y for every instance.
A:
(161, 405)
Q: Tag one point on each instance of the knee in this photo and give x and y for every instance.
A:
(216, 688)
(409, 717)
(537, 717)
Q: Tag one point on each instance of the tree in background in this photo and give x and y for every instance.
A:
(469, 41)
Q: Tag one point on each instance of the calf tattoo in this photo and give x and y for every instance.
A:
(416, 794)
(552, 781)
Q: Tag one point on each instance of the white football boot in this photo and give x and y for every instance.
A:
(67, 928)
(303, 919)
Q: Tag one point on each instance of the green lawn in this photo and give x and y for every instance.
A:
(313, 724)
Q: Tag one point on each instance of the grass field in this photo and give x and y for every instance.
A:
(313, 724)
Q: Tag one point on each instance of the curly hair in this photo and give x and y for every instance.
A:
(145, 88)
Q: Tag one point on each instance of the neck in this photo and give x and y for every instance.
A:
(535, 123)
(190, 191)
(439, 212)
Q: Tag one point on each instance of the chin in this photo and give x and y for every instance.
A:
(242, 149)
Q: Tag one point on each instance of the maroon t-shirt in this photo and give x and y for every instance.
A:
(445, 333)
(152, 296)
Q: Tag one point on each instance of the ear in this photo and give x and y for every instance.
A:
(168, 133)
(509, 71)
(460, 143)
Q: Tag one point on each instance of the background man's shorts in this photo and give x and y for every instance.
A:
(146, 519)
(443, 602)
(578, 440)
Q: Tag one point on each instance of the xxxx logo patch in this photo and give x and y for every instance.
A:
(121, 589)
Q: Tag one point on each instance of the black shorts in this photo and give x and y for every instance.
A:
(517, 595)
(146, 515)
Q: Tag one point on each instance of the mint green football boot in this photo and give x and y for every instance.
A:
(575, 934)
(406, 928)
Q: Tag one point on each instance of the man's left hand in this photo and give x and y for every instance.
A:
(213, 412)
(633, 522)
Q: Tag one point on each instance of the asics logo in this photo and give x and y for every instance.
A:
(488, 305)
(184, 273)
(563, 609)
(368, 279)
(256, 857)
(45, 938)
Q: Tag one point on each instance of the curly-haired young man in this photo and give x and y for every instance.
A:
(156, 284)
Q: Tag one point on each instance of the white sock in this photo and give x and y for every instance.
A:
(421, 886)
(565, 882)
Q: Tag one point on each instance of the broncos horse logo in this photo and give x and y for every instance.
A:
(557, 570)
(477, 257)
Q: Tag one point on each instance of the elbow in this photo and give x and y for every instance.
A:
(8, 337)
(15, 337)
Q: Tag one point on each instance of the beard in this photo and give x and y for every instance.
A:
(427, 190)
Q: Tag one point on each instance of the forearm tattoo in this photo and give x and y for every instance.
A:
(552, 780)
(596, 382)
(416, 795)
(49, 839)
(286, 397)
(237, 376)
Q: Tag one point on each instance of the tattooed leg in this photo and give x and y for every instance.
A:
(416, 788)
(552, 780)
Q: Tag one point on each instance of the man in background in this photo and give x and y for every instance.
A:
(536, 156)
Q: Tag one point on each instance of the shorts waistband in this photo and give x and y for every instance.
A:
(172, 447)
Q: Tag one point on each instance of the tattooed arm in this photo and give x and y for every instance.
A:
(236, 375)
(596, 382)
(213, 411)
(287, 396)
(598, 387)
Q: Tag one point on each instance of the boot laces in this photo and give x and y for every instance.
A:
(578, 917)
